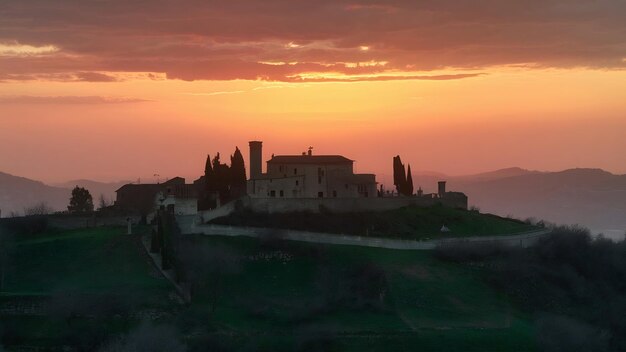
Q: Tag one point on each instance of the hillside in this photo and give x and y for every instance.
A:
(590, 197)
(88, 286)
(16, 193)
(408, 222)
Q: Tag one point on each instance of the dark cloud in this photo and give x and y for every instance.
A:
(223, 40)
(30, 99)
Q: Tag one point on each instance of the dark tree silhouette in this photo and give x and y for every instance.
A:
(409, 182)
(222, 178)
(400, 177)
(237, 174)
(81, 201)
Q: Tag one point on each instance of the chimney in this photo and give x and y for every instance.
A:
(442, 188)
(256, 156)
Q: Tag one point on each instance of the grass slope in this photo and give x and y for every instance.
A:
(273, 301)
(56, 273)
(431, 306)
(408, 222)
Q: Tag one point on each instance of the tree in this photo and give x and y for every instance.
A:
(41, 208)
(221, 179)
(237, 174)
(409, 182)
(81, 201)
(102, 202)
(402, 181)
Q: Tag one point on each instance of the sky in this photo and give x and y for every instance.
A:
(120, 90)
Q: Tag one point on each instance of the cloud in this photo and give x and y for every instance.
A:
(217, 93)
(30, 99)
(227, 40)
(16, 49)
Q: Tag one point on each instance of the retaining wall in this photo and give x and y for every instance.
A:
(518, 240)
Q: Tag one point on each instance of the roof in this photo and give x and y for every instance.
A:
(150, 186)
(309, 159)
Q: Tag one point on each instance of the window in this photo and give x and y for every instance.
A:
(335, 194)
(319, 179)
(295, 171)
(320, 194)
(280, 168)
(297, 182)
(272, 193)
(282, 194)
(346, 186)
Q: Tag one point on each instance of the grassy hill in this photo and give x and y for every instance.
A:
(408, 222)
(83, 288)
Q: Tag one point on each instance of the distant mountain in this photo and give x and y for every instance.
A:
(17, 193)
(590, 197)
(498, 174)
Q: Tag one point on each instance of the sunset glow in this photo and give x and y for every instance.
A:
(91, 93)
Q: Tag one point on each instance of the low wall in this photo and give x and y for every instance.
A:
(514, 240)
(69, 222)
(343, 205)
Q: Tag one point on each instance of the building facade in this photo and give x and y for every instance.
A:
(307, 176)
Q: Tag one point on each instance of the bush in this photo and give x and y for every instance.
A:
(560, 333)
(565, 274)
(461, 252)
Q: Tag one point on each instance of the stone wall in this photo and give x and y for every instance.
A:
(343, 205)
(514, 240)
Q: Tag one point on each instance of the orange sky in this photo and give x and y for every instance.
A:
(118, 98)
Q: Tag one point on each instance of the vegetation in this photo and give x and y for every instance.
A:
(81, 201)
(401, 178)
(574, 284)
(409, 222)
(223, 181)
(94, 288)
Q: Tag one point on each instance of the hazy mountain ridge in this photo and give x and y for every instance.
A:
(17, 193)
(590, 197)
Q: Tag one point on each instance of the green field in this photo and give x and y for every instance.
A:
(431, 305)
(274, 300)
(408, 222)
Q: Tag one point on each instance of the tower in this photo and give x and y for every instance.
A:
(442, 188)
(256, 155)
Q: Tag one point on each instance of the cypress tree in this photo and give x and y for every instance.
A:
(399, 175)
(409, 182)
(237, 174)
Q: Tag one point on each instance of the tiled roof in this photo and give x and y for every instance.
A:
(309, 159)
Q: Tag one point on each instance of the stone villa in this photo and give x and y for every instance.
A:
(307, 176)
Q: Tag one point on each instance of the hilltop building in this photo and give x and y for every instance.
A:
(307, 176)
(305, 182)
(145, 198)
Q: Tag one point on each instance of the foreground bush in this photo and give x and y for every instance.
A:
(568, 274)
